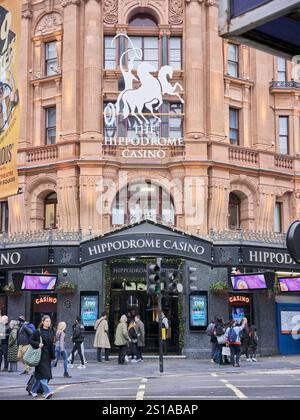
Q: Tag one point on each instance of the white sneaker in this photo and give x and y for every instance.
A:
(126, 359)
(70, 366)
(85, 362)
(33, 394)
(249, 360)
(134, 361)
(253, 359)
(48, 396)
(81, 367)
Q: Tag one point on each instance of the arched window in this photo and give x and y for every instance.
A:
(143, 201)
(142, 20)
(234, 211)
(50, 212)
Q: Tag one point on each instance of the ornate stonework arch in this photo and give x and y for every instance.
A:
(48, 23)
(157, 8)
(246, 190)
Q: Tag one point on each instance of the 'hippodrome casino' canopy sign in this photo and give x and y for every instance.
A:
(10, 23)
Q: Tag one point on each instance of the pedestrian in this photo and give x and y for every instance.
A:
(140, 329)
(43, 338)
(234, 342)
(102, 338)
(76, 352)
(60, 349)
(210, 331)
(165, 332)
(220, 334)
(4, 336)
(245, 340)
(24, 335)
(78, 339)
(122, 339)
(132, 332)
(253, 343)
(13, 348)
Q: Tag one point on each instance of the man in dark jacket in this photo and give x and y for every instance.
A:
(78, 339)
(24, 335)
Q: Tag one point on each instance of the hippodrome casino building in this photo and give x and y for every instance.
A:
(209, 181)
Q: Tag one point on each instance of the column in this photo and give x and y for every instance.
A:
(92, 71)
(71, 69)
(194, 69)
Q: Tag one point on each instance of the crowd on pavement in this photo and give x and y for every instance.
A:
(232, 340)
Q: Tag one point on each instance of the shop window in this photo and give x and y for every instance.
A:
(51, 58)
(149, 47)
(234, 212)
(284, 135)
(233, 60)
(50, 205)
(51, 125)
(140, 201)
(234, 126)
(278, 218)
(281, 69)
(4, 216)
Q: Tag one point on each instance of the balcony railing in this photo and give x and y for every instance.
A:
(284, 162)
(244, 156)
(42, 154)
(291, 84)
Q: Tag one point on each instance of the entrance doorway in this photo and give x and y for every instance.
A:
(128, 295)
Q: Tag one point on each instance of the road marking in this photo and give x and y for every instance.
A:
(215, 375)
(233, 388)
(141, 391)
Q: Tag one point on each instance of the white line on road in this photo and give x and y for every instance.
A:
(233, 388)
(141, 392)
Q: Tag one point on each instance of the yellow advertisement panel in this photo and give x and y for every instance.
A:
(10, 28)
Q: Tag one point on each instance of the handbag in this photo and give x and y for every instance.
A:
(226, 351)
(222, 339)
(32, 357)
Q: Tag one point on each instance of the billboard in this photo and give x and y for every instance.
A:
(10, 27)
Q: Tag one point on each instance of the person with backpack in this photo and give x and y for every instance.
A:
(24, 335)
(43, 338)
(78, 339)
(234, 341)
(220, 334)
(253, 343)
(132, 332)
(245, 340)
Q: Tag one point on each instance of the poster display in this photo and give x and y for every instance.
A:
(89, 309)
(290, 322)
(198, 311)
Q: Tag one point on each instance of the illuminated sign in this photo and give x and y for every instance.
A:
(239, 299)
(46, 299)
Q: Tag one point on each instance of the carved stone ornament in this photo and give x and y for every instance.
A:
(49, 23)
(176, 11)
(66, 3)
(110, 11)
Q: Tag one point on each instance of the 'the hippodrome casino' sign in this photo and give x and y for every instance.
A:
(10, 22)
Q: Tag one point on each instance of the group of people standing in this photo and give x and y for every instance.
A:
(231, 340)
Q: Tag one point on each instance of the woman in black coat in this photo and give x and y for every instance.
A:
(43, 338)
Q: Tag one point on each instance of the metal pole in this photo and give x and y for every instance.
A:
(159, 305)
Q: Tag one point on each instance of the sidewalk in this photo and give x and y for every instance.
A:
(109, 372)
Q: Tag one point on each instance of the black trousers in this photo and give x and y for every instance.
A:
(4, 354)
(122, 354)
(139, 353)
(77, 346)
(99, 354)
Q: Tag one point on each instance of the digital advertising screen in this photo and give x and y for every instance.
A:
(198, 311)
(89, 310)
(289, 284)
(36, 282)
(249, 282)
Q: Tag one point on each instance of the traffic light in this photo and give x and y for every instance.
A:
(191, 278)
(153, 279)
(171, 282)
(50, 255)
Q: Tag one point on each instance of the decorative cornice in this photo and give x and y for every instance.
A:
(66, 3)
(212, 3)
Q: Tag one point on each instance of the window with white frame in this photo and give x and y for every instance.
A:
(233, 60)
(110, 53)
(281, 69)
(278, 218)
(51, 58)
(284, 135)
(50, 125)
